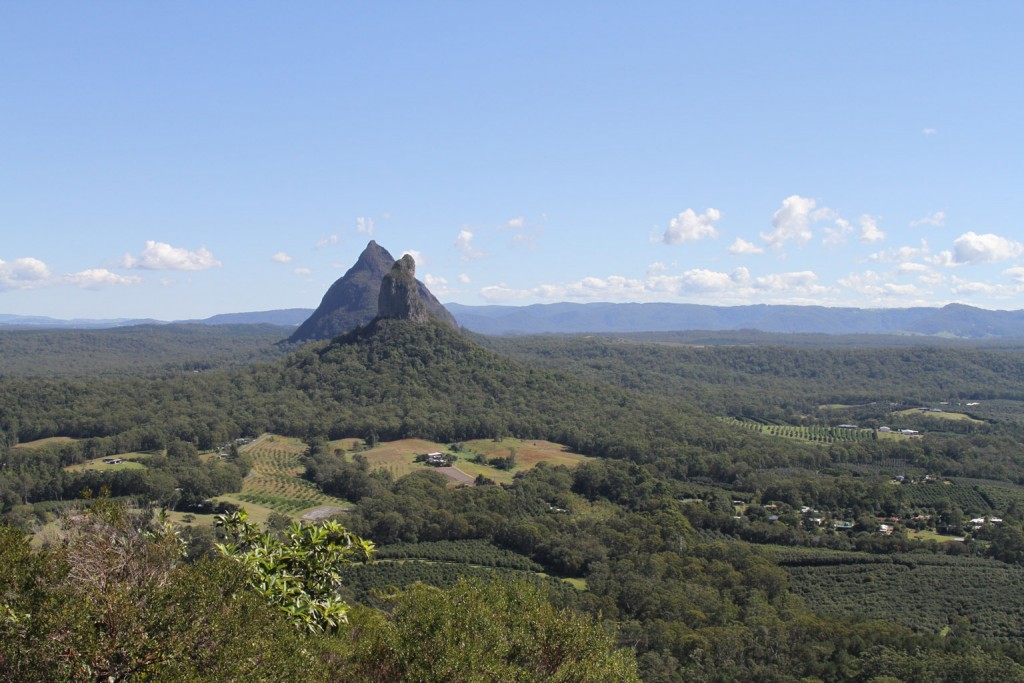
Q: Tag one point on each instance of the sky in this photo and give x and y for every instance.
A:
(179, 160)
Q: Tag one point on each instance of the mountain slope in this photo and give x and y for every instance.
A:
(352, 300)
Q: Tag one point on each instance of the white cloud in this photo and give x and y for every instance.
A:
(929, 131)
(869, 232)
(703, 279)
(1016, 274)
(972, 248)
(364, 225)
(656, 267)
(805, 281)
(879, 287)
(791, 222)
(302, 271)
(901, 254)
(329, 240)
(464, 243)
(938, 219)
(741, 246)
(516, 223)
(689, 226)
(464, 278)
(931, 278)
(910, 267)
(417, 256)
(503, 293)
(836, 234)
(162, 256)
(94, 278)
(712, 286)
(23, 273)
(438, 285)
(961, 286)
(281, 257)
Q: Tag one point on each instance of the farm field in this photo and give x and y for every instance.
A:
(982, 597)
(944, 415)
(398, 456)
(46, 443)
(927, 535)
(131, 462)
(274, 482)
(817, 433)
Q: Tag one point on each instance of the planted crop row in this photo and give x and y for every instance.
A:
(274, 481)
(983, 599)
(817, 433)
(475, 552)
(930, 495)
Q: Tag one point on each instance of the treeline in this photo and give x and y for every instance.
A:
(624, 401)
(153, 350)
(735, 379)
(177, 479)
(692, 610)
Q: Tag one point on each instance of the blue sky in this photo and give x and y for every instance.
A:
(177, 160)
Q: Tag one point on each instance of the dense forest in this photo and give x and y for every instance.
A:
(746, 516)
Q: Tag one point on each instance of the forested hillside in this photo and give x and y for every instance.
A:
(741, 499)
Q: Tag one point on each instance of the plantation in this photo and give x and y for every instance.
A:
(470, 552)
(930, 494)
(926, 593)
(815, 433)
(274, 481)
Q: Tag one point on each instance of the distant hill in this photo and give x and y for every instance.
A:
(953, 320)
(283, 317)
(287, 317)
(353, 299)
(358, 297)
(40, 322)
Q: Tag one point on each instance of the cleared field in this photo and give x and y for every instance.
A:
(398, 456)
(943, 415)
(274, 483)
(529, 452)
(131, 462)
(926, 535)
(46, 443)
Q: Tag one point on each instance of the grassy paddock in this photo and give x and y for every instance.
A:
(131, 462)
(958, 417)
(46, 443)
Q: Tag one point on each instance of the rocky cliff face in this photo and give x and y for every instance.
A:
(353, 299)
(399, 293)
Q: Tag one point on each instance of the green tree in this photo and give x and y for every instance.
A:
(481, 631)
(300, 572)
(114, 601)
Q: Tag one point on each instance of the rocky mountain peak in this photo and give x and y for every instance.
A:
(353, 300)
(399, 293)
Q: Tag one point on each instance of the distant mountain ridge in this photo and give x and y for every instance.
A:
(953, 320)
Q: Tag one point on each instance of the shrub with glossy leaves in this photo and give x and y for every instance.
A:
(300, 572)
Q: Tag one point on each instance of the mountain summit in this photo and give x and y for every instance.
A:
(399, 294)
(354, 298)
